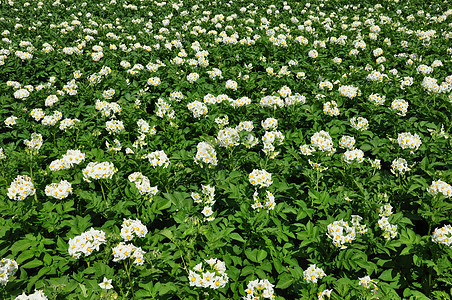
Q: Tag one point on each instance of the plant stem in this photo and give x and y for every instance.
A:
(31, 175)
(103, 194)
(128, 276)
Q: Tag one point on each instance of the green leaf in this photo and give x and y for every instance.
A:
(32, 264)
(237, 237)
(285, 280)
(164, 204)
(251, 254)
(261, 255)
(26, 255)
(167, 233)
(84, 291)
(167, 288)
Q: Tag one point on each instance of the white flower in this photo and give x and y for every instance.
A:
(399, 166)
(95, 170)
(21, 188)
(106, 284)
(313, 274)
(443, 235)
(158, 159)
(341, 233)
(206, 154)
(355, 155)
(59, 190)
(207, 211)
(322, 141)
(440, 186)
(21, 94)
(260, 178)
(408, 140)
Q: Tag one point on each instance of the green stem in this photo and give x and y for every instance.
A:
(103, 193)
(31, 175)
(207, 174)
(128, 276)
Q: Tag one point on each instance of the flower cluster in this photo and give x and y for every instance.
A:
(96, 170)
(259, 290)
(21, 188)
(359, 228)
(385, 210)
(154, 81)
(389, 230)
(359, 123)
(158, 159)
(377, 99)
(37, 114)
(269, 138)
(341, 233)
(86, 243)
(321, 295)
(260, 178)
(267, 203)
(215, 277)
(408, 140)
(347, 142)
(108, 109)
(322, 141)
(355, 155)
(243, 101)
(349, 91)
(400, 107)
(37, 295)
(35, 143)
(192, 77)
(116, 146)
(368, 283)
(10, 121)
(222, 121)
(114, 126)
(330, 108)
(207, 199)
(68, 123)
(51, 100)
(206, 154)
(59, 190)
(285, 92)
(228, 137)
(313, 274)
(123, 251)
(272, 102)
(399, 166)
(270, 124)
(130, 228)
(198, 109)
(306, 150)
(69, 159)
(440, 186)
(21, 94)
(326, 85)
(317, 166)
(143, 127)
(51, 120)
(295, 99)
(231, 84)
(8, 268)
(443, 235)
(143, 184)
